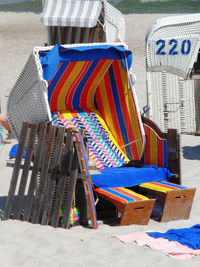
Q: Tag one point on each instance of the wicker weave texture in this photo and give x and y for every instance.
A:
(178, 34)
(172, 102)
(26, 101)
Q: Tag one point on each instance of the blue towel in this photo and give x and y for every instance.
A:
(13, 152)
(129, 176)
(189, 237)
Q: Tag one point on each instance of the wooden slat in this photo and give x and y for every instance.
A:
(53, 175)
(67, 155)
(82, 34)
(55, 33)
(24, 177)
(63, 36)
(16, 170)
(70, 195)
(73, 35)
(36, 166)
(100, 35)
(47, 151)
(91, 33)
(89, 192)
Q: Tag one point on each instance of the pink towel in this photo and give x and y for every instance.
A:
(170, 248)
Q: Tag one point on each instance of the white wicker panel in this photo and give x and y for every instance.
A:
(114, 21)
(172, 101)
(178, 64)
(170, 92)
(185, 30)
(27, 100)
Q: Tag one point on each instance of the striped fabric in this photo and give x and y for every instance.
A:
(72, 13)
(100, 145)
(117, 107)
(120, 194)
(156, 149)
(162, 186)
(100, 84)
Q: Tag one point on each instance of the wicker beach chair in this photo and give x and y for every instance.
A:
(85, 21)
(173, 72)
(57, 86)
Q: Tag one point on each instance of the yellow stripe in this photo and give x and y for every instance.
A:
(104, 125)
(134, 193)
(96, 81)
(64, 90)
(67, 115)
(155, 187)
(153, 148)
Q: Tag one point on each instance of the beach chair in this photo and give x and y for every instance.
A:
(85, 21)
(91, 87)
(173, 72)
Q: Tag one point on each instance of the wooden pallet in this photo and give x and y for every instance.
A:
(48, 179)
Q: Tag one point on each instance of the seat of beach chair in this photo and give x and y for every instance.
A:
(105, 157)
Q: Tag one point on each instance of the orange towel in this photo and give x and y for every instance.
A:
(4, 122)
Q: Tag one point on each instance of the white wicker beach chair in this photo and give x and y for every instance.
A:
(85, 21)
(173, 72)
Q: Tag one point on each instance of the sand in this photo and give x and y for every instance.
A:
(25, 244)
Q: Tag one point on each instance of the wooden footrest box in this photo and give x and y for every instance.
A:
(176, 199)
(134, 208)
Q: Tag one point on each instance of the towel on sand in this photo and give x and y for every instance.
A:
(171, 248)
(186, 236)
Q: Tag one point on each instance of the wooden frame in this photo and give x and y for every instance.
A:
(176, 204)
(173, 149)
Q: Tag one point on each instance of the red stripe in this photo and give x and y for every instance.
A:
(100, 102)
(128, 194)
(60, 84)
(72, 88)
(160, 152)
(84, 93)
(148, 146)
(126, 115)
(60, 116)
(113, 111)
(110, 195)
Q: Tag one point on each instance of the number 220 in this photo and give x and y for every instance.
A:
(173, 44)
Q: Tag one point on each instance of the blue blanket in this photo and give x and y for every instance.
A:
(130, 176)
(189, 237)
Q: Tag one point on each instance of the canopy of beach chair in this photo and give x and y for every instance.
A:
(95, 77)
(72, 21)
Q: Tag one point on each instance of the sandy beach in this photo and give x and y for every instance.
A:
(25, 244)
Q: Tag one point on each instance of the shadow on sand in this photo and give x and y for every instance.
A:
(191, 152)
